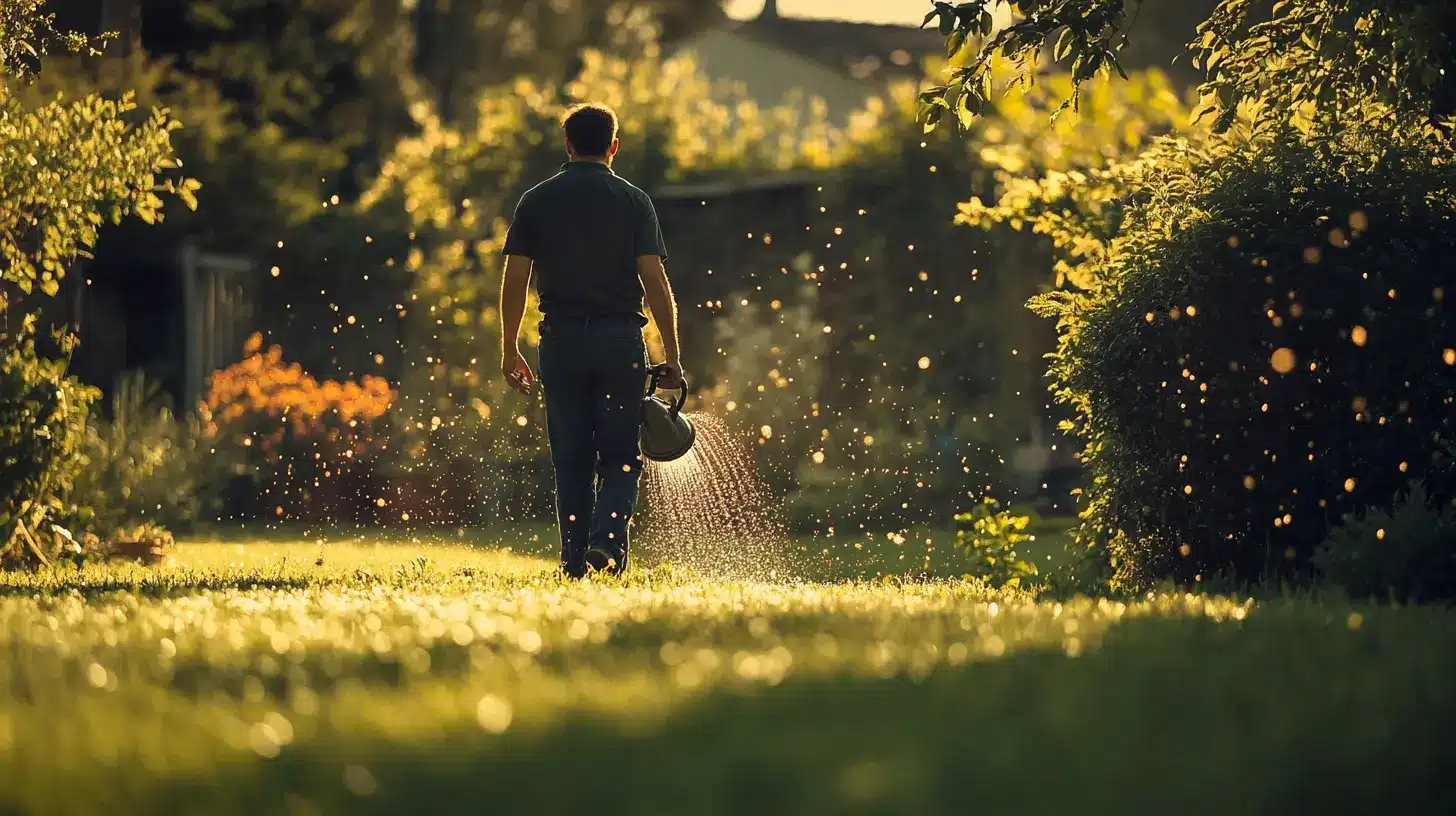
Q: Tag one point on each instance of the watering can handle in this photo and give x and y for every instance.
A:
(682, 396)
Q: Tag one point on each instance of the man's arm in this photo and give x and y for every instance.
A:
(651, 252)
(663, 307)
(514, 285)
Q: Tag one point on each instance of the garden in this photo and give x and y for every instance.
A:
(324, 581)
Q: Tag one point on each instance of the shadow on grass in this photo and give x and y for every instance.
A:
(1282, 716)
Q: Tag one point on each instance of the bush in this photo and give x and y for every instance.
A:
(1406, 554)
(42, 432)
(144, 464)
(1264, 348)
(312, 446)
(989, 535)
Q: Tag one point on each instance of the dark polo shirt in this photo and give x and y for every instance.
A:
(583, 230)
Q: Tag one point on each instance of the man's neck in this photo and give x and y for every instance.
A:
(603, 160)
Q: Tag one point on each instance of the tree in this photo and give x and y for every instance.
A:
(1292, 55)
(291, 109)
(288, 104)
(66, 167)
(1188, 288)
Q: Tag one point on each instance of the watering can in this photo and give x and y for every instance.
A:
(666, 434)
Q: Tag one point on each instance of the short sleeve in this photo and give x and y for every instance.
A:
(520, 235)
(648, 239)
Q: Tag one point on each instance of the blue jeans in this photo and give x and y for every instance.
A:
(594, 373)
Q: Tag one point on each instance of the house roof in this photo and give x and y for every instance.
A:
(863, 51)
(867, 51)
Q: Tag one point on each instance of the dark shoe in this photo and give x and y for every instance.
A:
(573, 564)
(571, 571)
(607, 561)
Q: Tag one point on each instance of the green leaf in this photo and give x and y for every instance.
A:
(954, 42)
(932, 118)
(968, 108)
(1064, 45)
(1111, 57)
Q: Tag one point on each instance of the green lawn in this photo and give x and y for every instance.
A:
(263, 677)
(916, 553)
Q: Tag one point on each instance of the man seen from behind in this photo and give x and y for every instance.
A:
(590, 242)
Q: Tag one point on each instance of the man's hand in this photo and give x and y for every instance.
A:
(669, 375)
(515, 282)
(517, 373)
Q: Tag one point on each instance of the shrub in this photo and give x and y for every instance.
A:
(1084, 570)
(1264, 347)
(989, 535)
(1405, 554)
(42, 432)
(302, 439)
(144, 464)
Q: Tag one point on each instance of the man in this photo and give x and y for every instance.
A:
(591, 242)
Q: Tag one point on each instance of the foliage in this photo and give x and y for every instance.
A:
(42, 437)
(928, 350)
(1187, 269)
(1405, 554)
(1262, 346)
(990, 535)
(1084, 571)
(27, 34)
(933, 355)
(1329, 56)
(1113, 120)
(1064, 180)
(296, 434)
(287, 108)
(143, 464)
(458, 185)
(1088, 34)
(369, 678)
(1298, 54)
(67, 167)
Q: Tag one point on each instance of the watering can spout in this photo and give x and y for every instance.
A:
(666, 434)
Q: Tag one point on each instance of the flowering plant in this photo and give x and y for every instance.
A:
(293, 431)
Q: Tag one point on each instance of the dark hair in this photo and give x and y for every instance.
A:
(590, 128)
